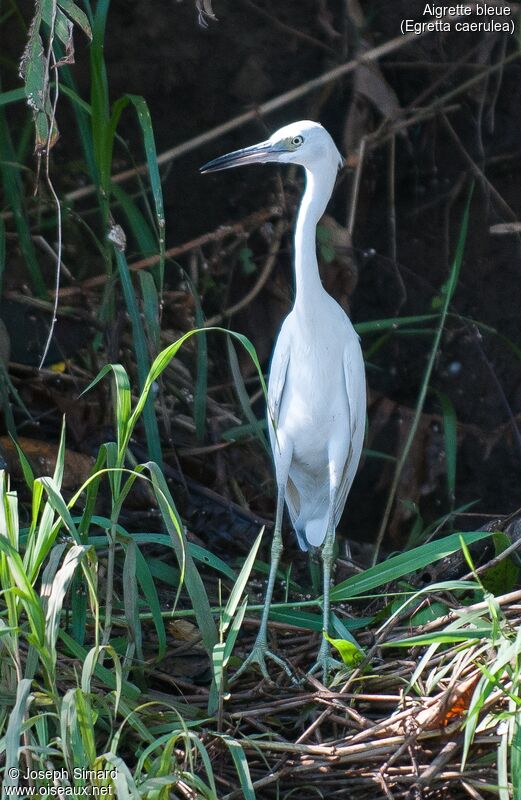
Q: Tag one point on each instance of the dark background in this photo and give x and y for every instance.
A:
(438, 112)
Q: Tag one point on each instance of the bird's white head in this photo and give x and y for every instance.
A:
(306, 143)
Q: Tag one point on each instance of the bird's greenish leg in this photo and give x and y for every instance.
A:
(325, 663)
(261, 652)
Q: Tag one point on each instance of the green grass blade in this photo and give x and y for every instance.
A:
(14, 198)
(193, 581)
(13, 737)
(105, 675)
(240, 584)
(149, 590)
(13, 96)
(145, 123)
(403, 564)
(163, 359)
(243, 396)
(142, 363)
(515, 757)
(130, 603)
(77, 16)
(150, 309)
(137, 224)
(391, 323)
(89, 666)
(241, 765)
(55, 603)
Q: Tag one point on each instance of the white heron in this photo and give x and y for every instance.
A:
(316, 392)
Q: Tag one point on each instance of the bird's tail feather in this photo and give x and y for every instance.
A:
(315, 532)
(312, 533)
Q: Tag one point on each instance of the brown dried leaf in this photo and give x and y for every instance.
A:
(448, 707)
(42, 457)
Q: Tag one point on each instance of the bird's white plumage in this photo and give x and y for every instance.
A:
(316, 409)
(316, 390)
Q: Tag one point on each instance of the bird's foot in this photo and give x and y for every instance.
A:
(259, 655)
(325, 663)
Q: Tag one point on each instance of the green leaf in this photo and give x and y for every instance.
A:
(240, 584)
(13, 96)
(442, 637)
(431, 612)
(350, 654)
(194, 583)
(392, 323)
(210, 559)
(327, 253)
(62, 26)
(26, 467)
(130, 603)
(241, 765)
(140, 349)
(243, 397)
(114, 682)
(137, 224)
(145, 123)
(403, 564)
(57, 595)
(149, 590)
(77, 15)
(13, 736)
(515, 757)
(14, 198)
(33, 68)
(323, 234)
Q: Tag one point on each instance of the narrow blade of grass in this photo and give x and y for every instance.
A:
(403, 564)
(142, 363)
(14, 734)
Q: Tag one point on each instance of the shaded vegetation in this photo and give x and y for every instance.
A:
(136, 494)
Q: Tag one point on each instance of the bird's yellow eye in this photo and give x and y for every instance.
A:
(297, 140)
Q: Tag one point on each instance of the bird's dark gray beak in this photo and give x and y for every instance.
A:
(256, 154)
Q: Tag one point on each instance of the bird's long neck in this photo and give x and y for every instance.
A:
(319, 187)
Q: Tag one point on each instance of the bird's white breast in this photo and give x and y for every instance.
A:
(314, 405)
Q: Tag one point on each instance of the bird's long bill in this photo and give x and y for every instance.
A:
(256, 154)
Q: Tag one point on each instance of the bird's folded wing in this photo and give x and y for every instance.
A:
(277, 380)
(354, 378)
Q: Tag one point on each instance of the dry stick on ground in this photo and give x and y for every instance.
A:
(322, 759)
